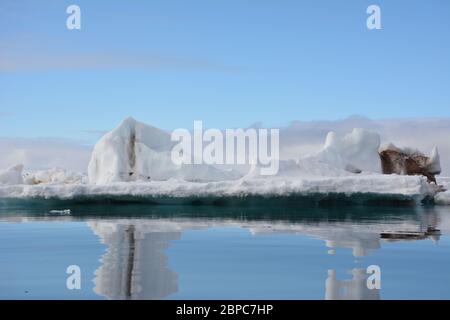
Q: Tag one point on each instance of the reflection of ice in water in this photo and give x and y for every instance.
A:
(359, 242)
(134, 266)
(349, 289)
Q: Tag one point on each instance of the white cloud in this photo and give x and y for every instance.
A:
(38, 61)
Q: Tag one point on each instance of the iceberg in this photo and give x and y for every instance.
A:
(133, 163)
(135, 151)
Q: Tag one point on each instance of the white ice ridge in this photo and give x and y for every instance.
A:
(54, 176)
(354, 152)
(412, 187)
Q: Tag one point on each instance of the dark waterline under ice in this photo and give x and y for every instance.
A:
(140, 251)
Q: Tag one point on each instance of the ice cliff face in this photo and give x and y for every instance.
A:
(135, 151)
(119, 154)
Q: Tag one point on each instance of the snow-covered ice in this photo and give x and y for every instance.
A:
(434, 162)
(354, 152)
(54, 176)
(135, 151)
(443, 198)
(403, 187)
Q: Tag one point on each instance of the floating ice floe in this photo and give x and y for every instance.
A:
(133, 162)
(364, 187)
(61, 212)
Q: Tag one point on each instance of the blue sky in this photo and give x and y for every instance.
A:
(229, 63)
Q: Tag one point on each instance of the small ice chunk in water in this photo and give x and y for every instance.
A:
(62, 212)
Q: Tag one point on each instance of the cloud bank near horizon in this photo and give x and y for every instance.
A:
(300, 138)
(44, 153)
(296, 140)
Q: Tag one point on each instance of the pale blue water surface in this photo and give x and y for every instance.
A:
(138, 251)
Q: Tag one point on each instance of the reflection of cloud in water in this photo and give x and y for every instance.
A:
(349, 289)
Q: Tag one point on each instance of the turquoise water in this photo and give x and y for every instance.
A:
(131, 251)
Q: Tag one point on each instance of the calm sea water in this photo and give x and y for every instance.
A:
(200, 252)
